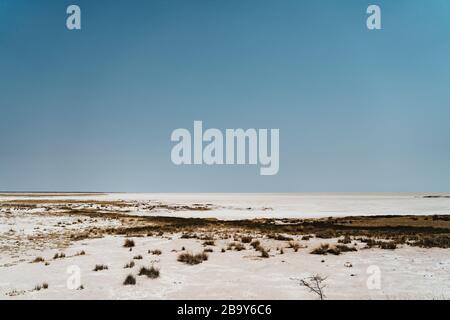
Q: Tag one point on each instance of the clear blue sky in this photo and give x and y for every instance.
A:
(93, 110)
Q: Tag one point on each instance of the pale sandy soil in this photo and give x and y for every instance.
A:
(405, 273)
(275, 205)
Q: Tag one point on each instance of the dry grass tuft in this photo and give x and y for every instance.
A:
(151, 272)
(255, 244)
(129, 243)
(129, 280)
(100, 267)
(246, 239)
(294, 245)
(59, 256)
(40, 287)
(38, 259)
(322, 249)
(192, 259)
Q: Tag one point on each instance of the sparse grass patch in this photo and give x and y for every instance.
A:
(15, 293)
(435, 241)
(192, 259)
(368, 241)
(345, 248)
(151, 272)
(59, 256)
(100, 267)
(280, 237)
(188, 236)
(264, 252)
(346, 240)
(334, 250)
(231, 245)
(236, 246)
(246, 239)
(322, 249)
(40, 287)
(38, 259)
(294, 245)
(255, 244)
(129, 280)
(155, 252)
(388, 245)
(129, 243)
(209, 243)
(326, 234)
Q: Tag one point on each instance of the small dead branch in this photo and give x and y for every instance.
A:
(314, 285)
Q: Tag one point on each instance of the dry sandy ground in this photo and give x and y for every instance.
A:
(43, 230)
(406, 273)
(278, 205)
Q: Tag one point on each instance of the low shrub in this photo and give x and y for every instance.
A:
(326, 234)
(388, 245)
(192, 259)
(129, 243)
(322, 249)
(345, 248)
(100, 267)
(130, 280)
(40, 287)
(264, 252)
(345, 240)
(294, 245)
(59, 256)
(151, 272)
(280, 237)
(38, 259)
(255, 244)
(246, 239)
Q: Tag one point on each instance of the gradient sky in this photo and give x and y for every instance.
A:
(93, 110)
